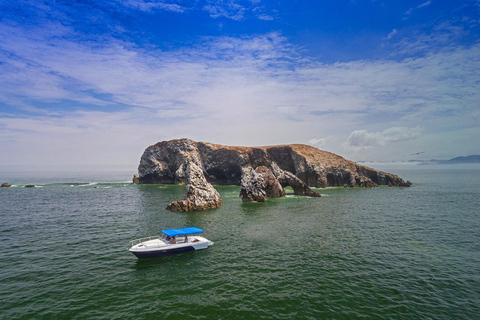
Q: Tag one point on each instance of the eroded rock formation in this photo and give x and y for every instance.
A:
(259, 184)
(201, 195)
(262, 172)
(272, 186)
(253, 186)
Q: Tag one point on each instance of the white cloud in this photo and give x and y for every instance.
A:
(444, 36)
(318, 143)
(237, 9)
(410, 11)
(364, 139)
(225, 8)
(265, 17)
(151, 6)
(425, 4)
(251, 91)
(391, 34)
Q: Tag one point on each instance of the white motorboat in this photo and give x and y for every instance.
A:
(172, 241)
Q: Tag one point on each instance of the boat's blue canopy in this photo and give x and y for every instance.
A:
(181, 232)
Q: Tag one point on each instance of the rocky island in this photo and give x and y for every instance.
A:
(262, 172)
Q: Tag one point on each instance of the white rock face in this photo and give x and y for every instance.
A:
(253, 186)
(201, 195)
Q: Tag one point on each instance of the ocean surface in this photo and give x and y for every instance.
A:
(382, 253)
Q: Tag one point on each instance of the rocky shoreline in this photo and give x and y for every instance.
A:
(8, 185)
(262, 172)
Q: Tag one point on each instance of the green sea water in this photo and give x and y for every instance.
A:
(383, 253)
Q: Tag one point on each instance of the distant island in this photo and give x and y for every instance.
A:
(457, 160)
(262, 172)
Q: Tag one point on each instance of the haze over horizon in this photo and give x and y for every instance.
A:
(95, 83)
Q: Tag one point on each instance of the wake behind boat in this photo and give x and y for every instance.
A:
(172, 241)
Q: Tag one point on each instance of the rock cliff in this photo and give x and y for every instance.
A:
(262, 172)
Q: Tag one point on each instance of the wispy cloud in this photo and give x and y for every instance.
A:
(152, 5)
(425, 4)
(252, 90)
(363, 139)
(231, 9)
(411, 10)
(237, 9)
(444, 36)
(265, 17)
(318, 143)
(392, 34)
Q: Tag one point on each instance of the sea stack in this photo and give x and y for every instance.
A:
(201, 195)
(262, 172)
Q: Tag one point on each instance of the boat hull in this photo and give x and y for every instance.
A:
(162, 252)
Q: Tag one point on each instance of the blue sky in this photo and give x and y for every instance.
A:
(96, 82)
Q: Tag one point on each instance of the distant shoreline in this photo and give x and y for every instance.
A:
(472, 159)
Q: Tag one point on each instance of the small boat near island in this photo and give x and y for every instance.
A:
(172, 241)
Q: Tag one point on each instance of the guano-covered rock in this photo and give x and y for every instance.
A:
(262, 172)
